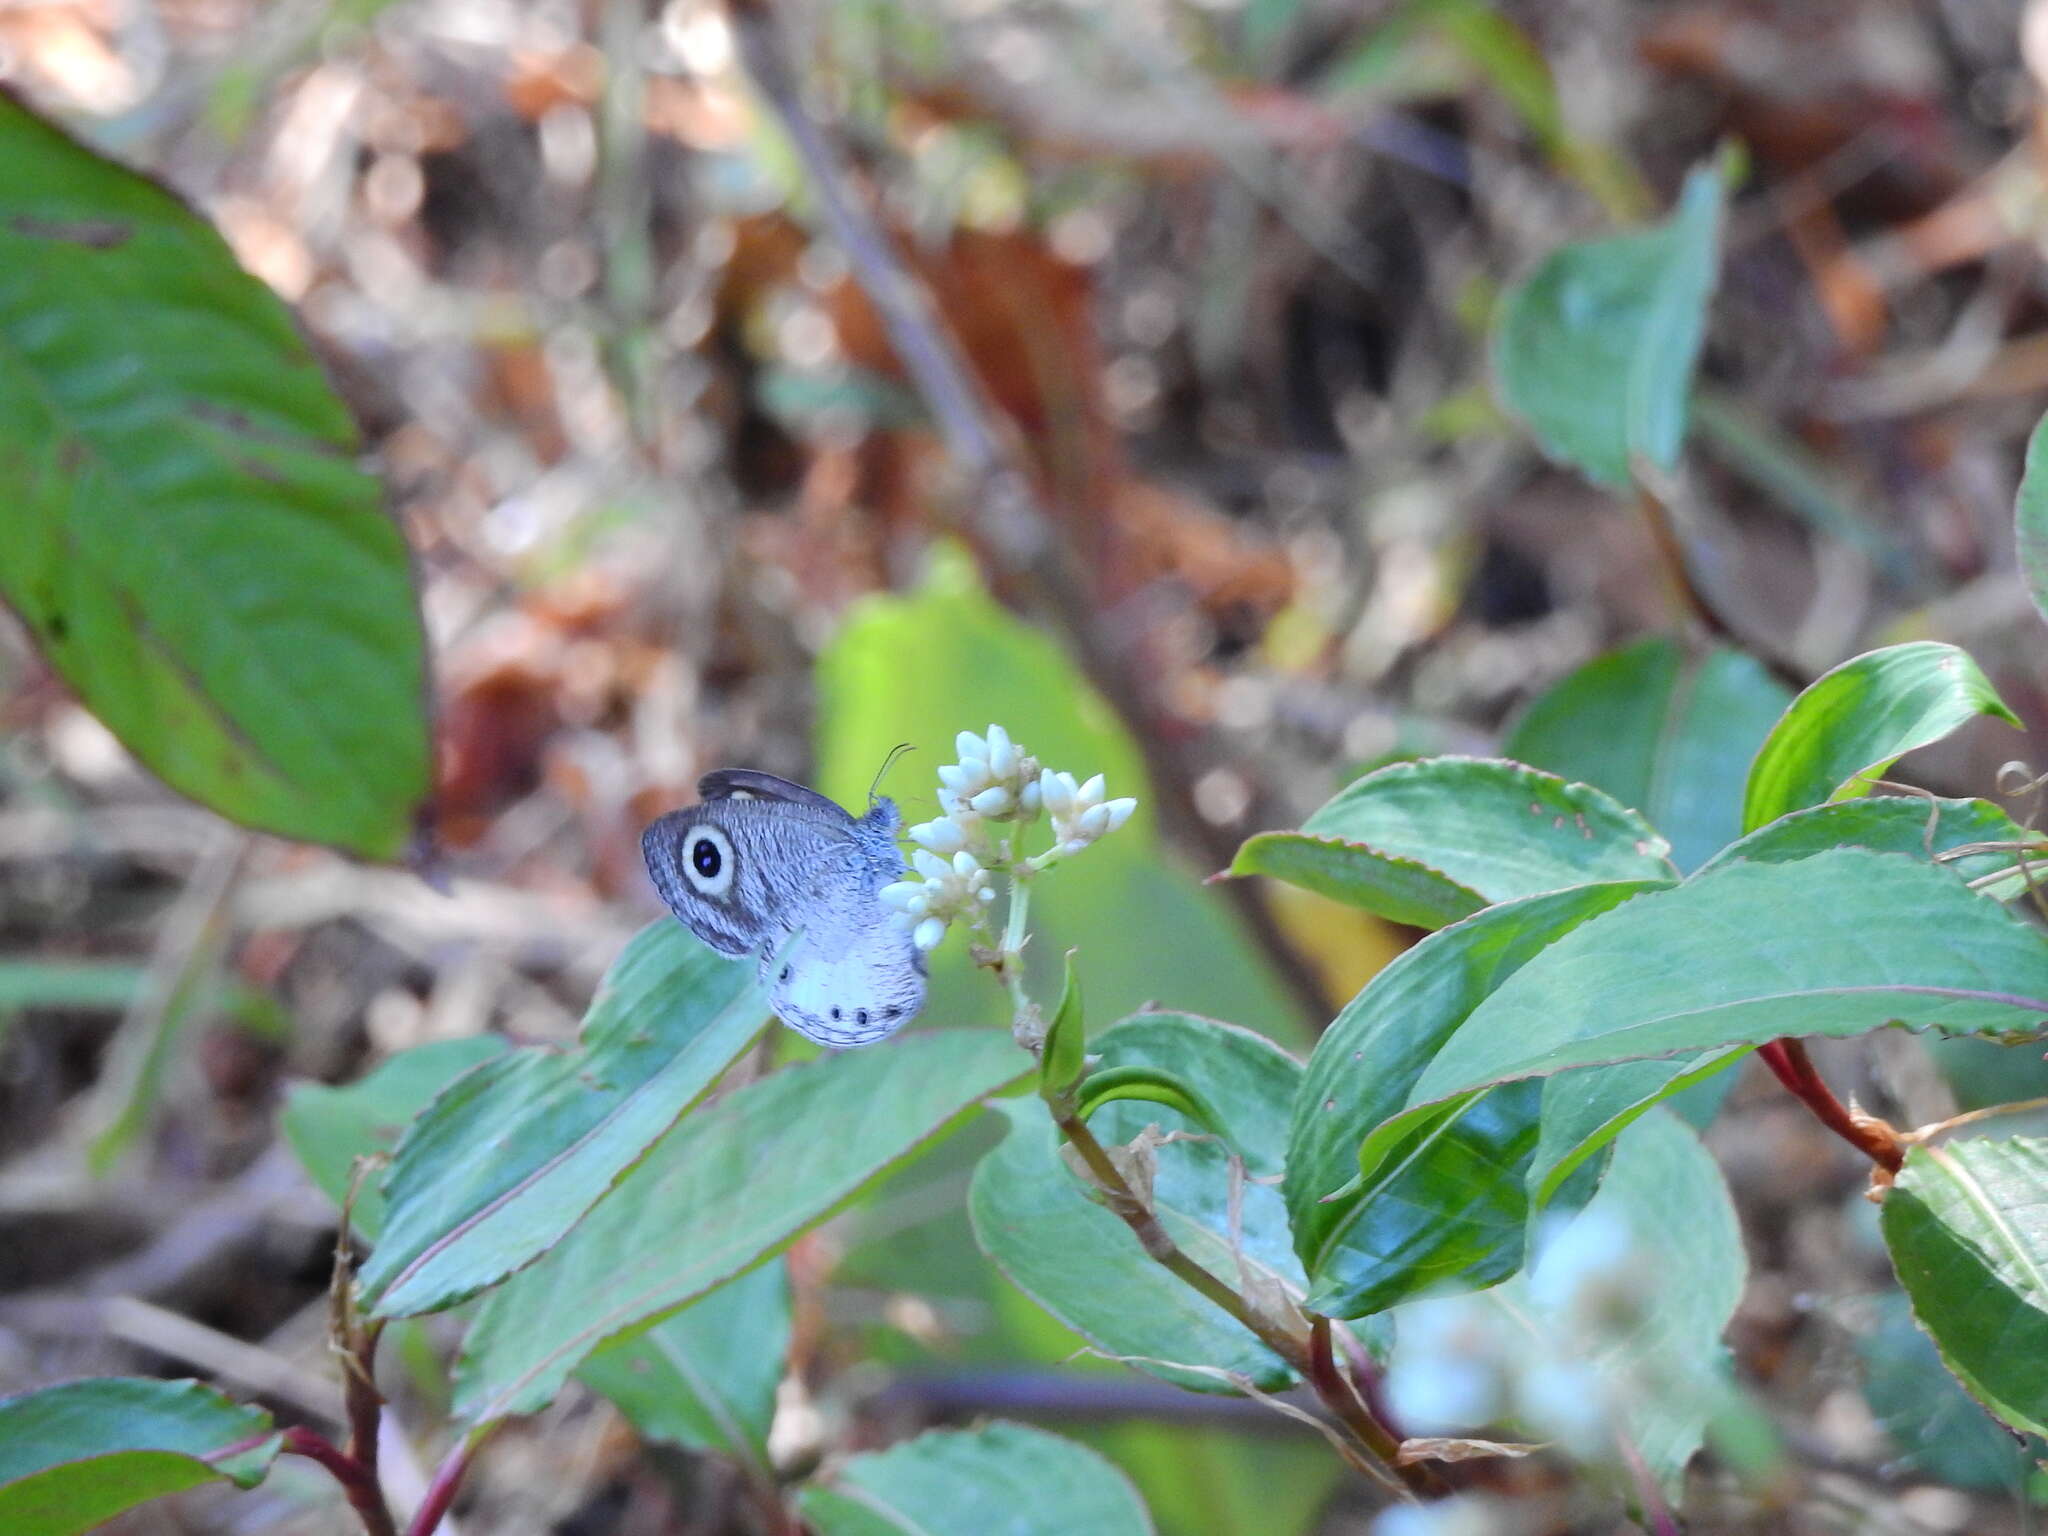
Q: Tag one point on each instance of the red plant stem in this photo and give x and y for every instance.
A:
(365, 1497)
(365, 1402)
(447, 1482)
(1875, 1140)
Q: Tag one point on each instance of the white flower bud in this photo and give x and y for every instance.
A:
(991, 802)
(1092, 792)
(901, 893)
(954, 777)
(1029, 799)
(929, 864)
(1094, 822)
(1003, 755)
(984, 893)
(928, 934)
(966, 865)
(967, 745)
(941, 837)
(1056, 790)
(1119, 812)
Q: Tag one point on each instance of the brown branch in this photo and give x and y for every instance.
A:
(1866, 1133)
(1298, 1351)
(357, 1482)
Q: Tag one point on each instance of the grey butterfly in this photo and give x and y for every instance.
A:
(768, 868)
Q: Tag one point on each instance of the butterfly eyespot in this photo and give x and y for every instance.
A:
(705, 859)
(835, 1013)
(860, 1016)
(787, 972)
(890, 1013)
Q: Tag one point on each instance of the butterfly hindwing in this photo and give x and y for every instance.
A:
(770, 868)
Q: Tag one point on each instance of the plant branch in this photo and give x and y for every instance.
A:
(1866, 1133)
(447, 1482)
(1291, 1346)
(357, 1481)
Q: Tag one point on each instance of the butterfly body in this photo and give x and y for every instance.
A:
(768, 868)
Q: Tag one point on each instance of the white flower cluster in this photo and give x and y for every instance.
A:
(993, 792)
(1461, 1363)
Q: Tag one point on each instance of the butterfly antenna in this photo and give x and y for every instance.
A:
(888, 762)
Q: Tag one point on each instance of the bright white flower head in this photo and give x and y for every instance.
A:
(987, 798)
(1079, 813)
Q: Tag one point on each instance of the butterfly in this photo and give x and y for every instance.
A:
(768, 868)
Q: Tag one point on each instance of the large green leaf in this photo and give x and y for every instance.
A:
(1886, 824)
(1433, 841)
(74, 1456)
(189, 538)
(1839, 943)
(1967, 1225)
(1450, 1205)
(1937, 1428)
(329, 1128)
(705, 1378)
(1595, 348)
(921, 668)
(730, 1186)
(1000, 1478)
(506, 1160)
(1032, 1217)
(1853, 723)
(2030, 517)
(1668, 733)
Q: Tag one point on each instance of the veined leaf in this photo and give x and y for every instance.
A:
(1853, 723)
(189, 538)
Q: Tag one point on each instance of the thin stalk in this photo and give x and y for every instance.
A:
(1291, 1347)
(1866, 1133)
(364, 1495)
(447, 1482)
(364, 1402)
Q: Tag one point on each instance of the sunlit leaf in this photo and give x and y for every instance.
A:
(189, 538)
(1433, 841)
(504, 1162)
(1853, 723)
(732, 1185)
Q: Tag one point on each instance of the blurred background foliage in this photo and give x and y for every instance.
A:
(1229, 275)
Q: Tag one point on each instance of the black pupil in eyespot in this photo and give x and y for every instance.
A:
(704, 858)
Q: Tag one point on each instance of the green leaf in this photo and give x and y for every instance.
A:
(946, 658)
(1853, 723)
(329, 1128)
(732, 1185)
(1967, 1226)
(1142, 1084)
(190, 540)
(1433, 841)
(1002, 1477)
(1595, 348)
(74, 1456)
(1082, 1264)
(1451, 1203)
(1939, 1430)
(1837, 944)
(1886, 824)
(2030, 517)
(1669, 734)
(705, 1378)
(1065, 1054)
(510, 1155)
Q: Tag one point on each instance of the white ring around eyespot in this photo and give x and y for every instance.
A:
(713, 885)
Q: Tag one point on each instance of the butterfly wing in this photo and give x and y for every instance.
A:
(770, 868)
